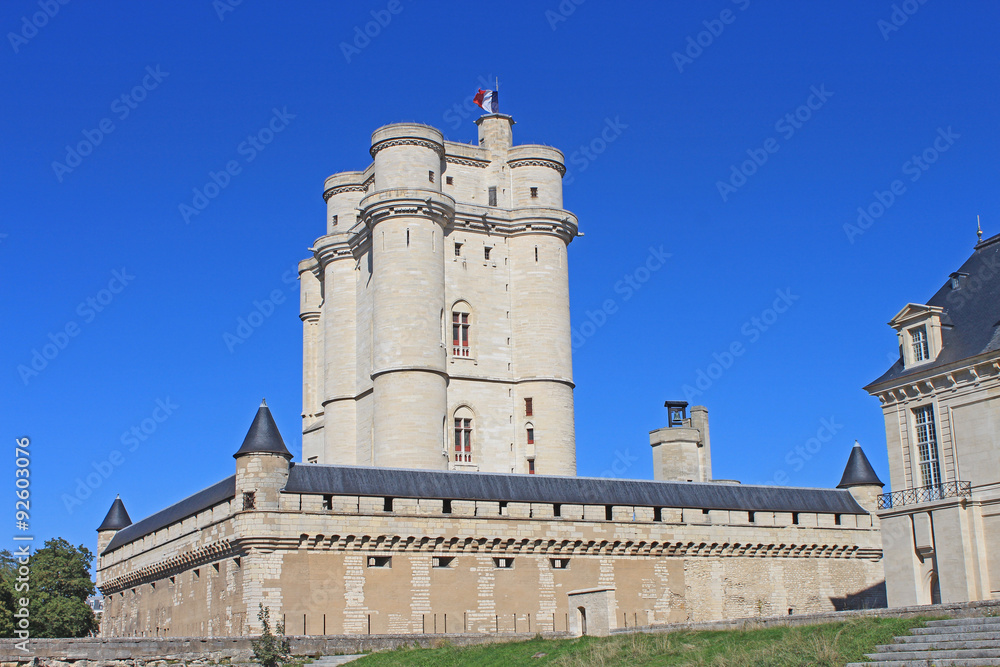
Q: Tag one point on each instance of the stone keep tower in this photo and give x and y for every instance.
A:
(436, 308)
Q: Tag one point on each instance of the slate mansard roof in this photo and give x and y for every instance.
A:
(313, 478)
(970, 323)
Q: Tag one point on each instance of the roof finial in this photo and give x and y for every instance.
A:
(263, 402)
(979, 229)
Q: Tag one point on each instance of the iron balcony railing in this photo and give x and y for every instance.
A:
(925, 494)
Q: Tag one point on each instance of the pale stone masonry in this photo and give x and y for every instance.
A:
(941, 402)
(438, 492)
(440, 292)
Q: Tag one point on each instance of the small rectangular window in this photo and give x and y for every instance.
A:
(449, 180)
(249, 500)
(503, 563)
(458, 250)
(380, 561)
(836, 519)
(528, 407)
(442, 561)
(328, 502)
(387, 504)
(534, 192)
(557, 510)
(430, 176)
(559, 563)
(531, 466)
(531, 436)
(334, 221)
(795, 518)
(536, 253)
(657, 514)
(446, 506)
(503, 508)
(486, 252)
(493, 195)
(751, 517)
(608, 512)
(918, 338)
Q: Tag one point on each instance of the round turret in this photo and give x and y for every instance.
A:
(536, 176)
(408, 156)
(342, 192)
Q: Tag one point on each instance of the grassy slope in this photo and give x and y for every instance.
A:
(833, 644)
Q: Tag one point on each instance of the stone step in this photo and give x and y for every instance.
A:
(334, 660)
(948, 629)
(937, 646)
(949, 637)
(978, 620)
(946, 662)
(936, 655)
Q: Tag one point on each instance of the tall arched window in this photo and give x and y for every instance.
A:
(463, 435)
(461, 323)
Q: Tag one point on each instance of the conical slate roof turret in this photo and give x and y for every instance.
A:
(263, 436)
(859, 471)
(117, 517)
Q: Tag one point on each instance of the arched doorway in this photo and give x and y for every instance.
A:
(582, 615)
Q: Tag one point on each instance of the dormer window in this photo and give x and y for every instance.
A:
(919, 329)
(918, 340)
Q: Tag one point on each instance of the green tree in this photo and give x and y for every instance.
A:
(270, 650)
(59, 585)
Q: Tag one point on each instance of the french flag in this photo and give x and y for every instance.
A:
(489, 100)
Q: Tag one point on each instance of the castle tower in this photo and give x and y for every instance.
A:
(261, 464)
(860, 479)
(116, 519)
(436, 308)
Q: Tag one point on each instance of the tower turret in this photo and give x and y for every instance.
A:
(860, 479)
(261, 464)
(116, 519)
(407, 215)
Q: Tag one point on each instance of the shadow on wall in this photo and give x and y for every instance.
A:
(873, 597)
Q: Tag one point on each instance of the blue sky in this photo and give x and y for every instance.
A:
(738, 137)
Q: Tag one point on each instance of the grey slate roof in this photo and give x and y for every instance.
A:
(859, 471)
(972, 311)
(213, 495)
(116, 518)
(263, 436)
(452, 485)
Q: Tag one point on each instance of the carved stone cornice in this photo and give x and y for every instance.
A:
(407, 141)
(329, 249)
(340, 189)
(165, 568)
(537, 162)
(388, 204)
(467, 162)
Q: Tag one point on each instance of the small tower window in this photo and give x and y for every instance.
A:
(449, 180)
(536, 253)
(531, 435)
(380, 561)
(493, 195)
(463, 439)
(460, 334)
(503, 563)
(559, 563)
(918, 338)
(534, 193)
(334, 221)
(486, 252)
(528, 410)
(430, 176)
(458, 250)
(328, 502)
(531, 466)
(249, 500)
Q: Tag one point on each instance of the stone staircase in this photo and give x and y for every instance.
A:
(956, 642)
(334, 660)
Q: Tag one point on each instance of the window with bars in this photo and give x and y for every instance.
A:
(493, 195)
(460, 334)
(528, 408)
(930, 470)
(531, 435)
(463, 440)
(249, 500)
(918, 339)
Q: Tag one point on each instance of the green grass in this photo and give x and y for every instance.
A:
(828, 645)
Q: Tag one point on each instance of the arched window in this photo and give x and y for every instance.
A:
(461, 323)
(463, 435)
(529, 431)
